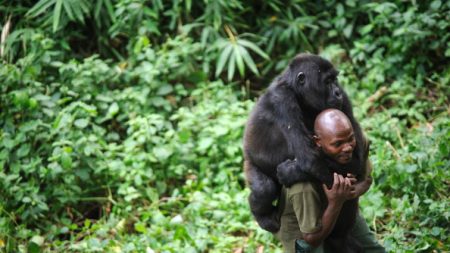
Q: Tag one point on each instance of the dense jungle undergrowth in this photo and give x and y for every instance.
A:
(121, 121)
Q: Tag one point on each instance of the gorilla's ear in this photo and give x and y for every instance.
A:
(301, 77)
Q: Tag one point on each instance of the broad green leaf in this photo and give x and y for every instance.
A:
(348, 30)
(33, 247)
(205, 143)
(158, 101)
(131, 194)
(340, 9)
(223, 59)
(162, 153)
(57, 14)
(110, 8)
(366, 29)
(248, 60)
(21, 98)
(62, 120)
(8, 142)
(350, 3)
(97, 9)
(140, 227)
(83, 174)
(66, 160)
(435, 231)
(113, 110)
(177, 219)
(84, 5)
(220, 130)
(30, 126)
(78, 8)
(81, 123)
(87, 223)
(254, 48)
(231, 66)
(205, 36)
(152, 194)
(164, 90)
(239, 60)
(184, 135)
(23, 150)
(40, 8)
(26, 199)
(436, 4)
(68, 9)
(188, 5)
(39, 240)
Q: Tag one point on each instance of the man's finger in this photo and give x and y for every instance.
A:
(352, 180)
(341, 179)
(341, 182)
(335, 180)
(348, 182)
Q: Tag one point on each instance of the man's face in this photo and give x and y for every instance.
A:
(337, 143)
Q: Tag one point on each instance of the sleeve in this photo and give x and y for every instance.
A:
(307, 208)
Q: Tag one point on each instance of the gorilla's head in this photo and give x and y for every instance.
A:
(314, 81)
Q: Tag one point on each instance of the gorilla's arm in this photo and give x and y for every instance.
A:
(290, 121)
(364, 184)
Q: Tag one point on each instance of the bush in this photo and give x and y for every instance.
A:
(119, 133)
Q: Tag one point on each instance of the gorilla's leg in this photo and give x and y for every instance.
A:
(264, 191)
(354, 245)
(343, 244)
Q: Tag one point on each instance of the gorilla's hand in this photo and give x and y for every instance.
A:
(270, 223)
(287, 173)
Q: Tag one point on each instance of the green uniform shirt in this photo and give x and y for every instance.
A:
(301, 206)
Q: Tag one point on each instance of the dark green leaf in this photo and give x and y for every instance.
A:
(57, 14)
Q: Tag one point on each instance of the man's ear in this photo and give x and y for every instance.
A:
(317, 141)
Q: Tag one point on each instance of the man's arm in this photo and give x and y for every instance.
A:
(337, 195)
(363, 186)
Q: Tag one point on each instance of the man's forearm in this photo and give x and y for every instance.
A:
(363, 186)
(329, 218)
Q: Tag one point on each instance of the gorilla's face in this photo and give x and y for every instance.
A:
(333, 90)
(314, 80)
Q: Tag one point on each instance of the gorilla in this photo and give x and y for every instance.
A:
(278, 145)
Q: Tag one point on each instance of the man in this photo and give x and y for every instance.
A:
(308, 210)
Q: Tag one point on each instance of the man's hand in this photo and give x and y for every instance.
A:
(360, 187)
(341, 191)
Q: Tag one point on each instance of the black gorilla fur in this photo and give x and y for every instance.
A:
(278, 145)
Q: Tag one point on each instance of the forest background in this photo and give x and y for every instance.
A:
(121, 121)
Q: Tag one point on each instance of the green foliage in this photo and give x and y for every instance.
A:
(235, 51)
(118, 132)
(72, 10)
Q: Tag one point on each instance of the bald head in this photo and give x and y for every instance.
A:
(329, 120)
(333, 134)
